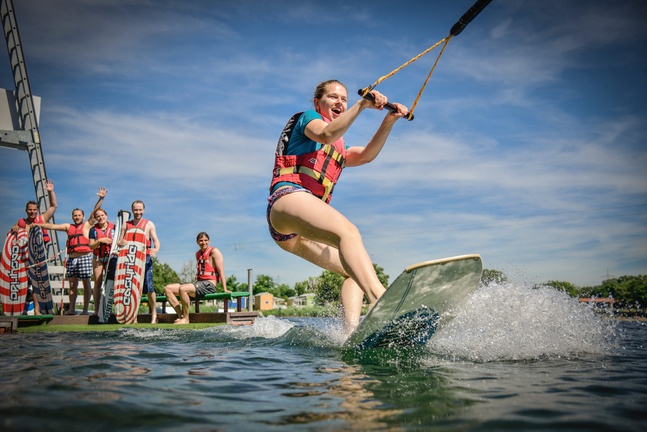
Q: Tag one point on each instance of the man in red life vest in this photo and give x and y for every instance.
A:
(33, 216)
(32, 212)
(152, 248)
(79, 255)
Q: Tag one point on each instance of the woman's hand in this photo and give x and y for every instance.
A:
(376, 100)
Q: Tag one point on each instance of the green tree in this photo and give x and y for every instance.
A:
(607, 288)
(566, 287)
(627, 290)
(590, 291)
(328, 288)
(493, 276)
(284, 291)
(163, 275)
(309, 285)
(632, 289)
(384, 278)
(264, 283)
(187, 274)
(234, 285)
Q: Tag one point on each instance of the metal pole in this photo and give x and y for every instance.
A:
(27, 137)
(250, 288)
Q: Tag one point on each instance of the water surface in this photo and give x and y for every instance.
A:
(512, 358)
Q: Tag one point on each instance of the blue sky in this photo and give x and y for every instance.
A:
(528, 145)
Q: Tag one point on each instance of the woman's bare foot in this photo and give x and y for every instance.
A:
(154, 319)
(181, 321)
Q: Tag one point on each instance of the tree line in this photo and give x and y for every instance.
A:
(326, 287)
(628, 291)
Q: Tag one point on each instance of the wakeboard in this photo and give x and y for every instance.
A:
(14, 280)
(38, 274)
(108, 282)
(410, 310)
(129, 276)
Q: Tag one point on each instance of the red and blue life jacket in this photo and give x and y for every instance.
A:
(317, 171)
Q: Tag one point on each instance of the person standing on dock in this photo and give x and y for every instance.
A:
(32, 212)
(101, 237)
(31, 209)
(152, 248)
(210, 270)
(78, 265)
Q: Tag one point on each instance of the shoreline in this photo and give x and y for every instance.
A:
(77, 328)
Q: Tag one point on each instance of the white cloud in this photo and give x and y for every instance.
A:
(521, 149)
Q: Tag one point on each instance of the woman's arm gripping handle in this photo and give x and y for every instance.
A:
(388, 105)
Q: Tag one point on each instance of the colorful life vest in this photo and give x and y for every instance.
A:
(142, 226)
(104, 248)
(205, 268)
(76, 241)
(317, 171)
(22, 223)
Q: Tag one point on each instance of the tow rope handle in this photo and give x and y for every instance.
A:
(456, 29)
(468, 17)
(365, 93)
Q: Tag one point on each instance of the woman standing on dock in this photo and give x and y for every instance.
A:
(101, 237)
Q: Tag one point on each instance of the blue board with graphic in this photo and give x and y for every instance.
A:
(38, 274)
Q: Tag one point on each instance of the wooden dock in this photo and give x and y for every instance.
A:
(11, 324)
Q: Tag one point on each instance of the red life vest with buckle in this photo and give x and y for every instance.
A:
(22, 223)
(206, 271)
(317, 171)
(76, 241)
(104, 248)
(141, 225)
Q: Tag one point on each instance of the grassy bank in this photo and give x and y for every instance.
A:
(110, 327)
(310, 311)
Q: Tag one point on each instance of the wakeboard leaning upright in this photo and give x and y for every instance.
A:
(14, 280)
(129, 277)
(108, 282)
(38, 273)
(408, 312)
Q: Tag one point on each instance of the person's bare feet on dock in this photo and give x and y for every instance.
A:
(181, 321)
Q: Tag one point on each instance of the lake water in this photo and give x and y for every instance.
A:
(513, 358)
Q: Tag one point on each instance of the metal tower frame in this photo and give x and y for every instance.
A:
(27, 137)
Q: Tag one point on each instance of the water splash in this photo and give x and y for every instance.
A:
(150, 333)
(267, 328)
(519, 322)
